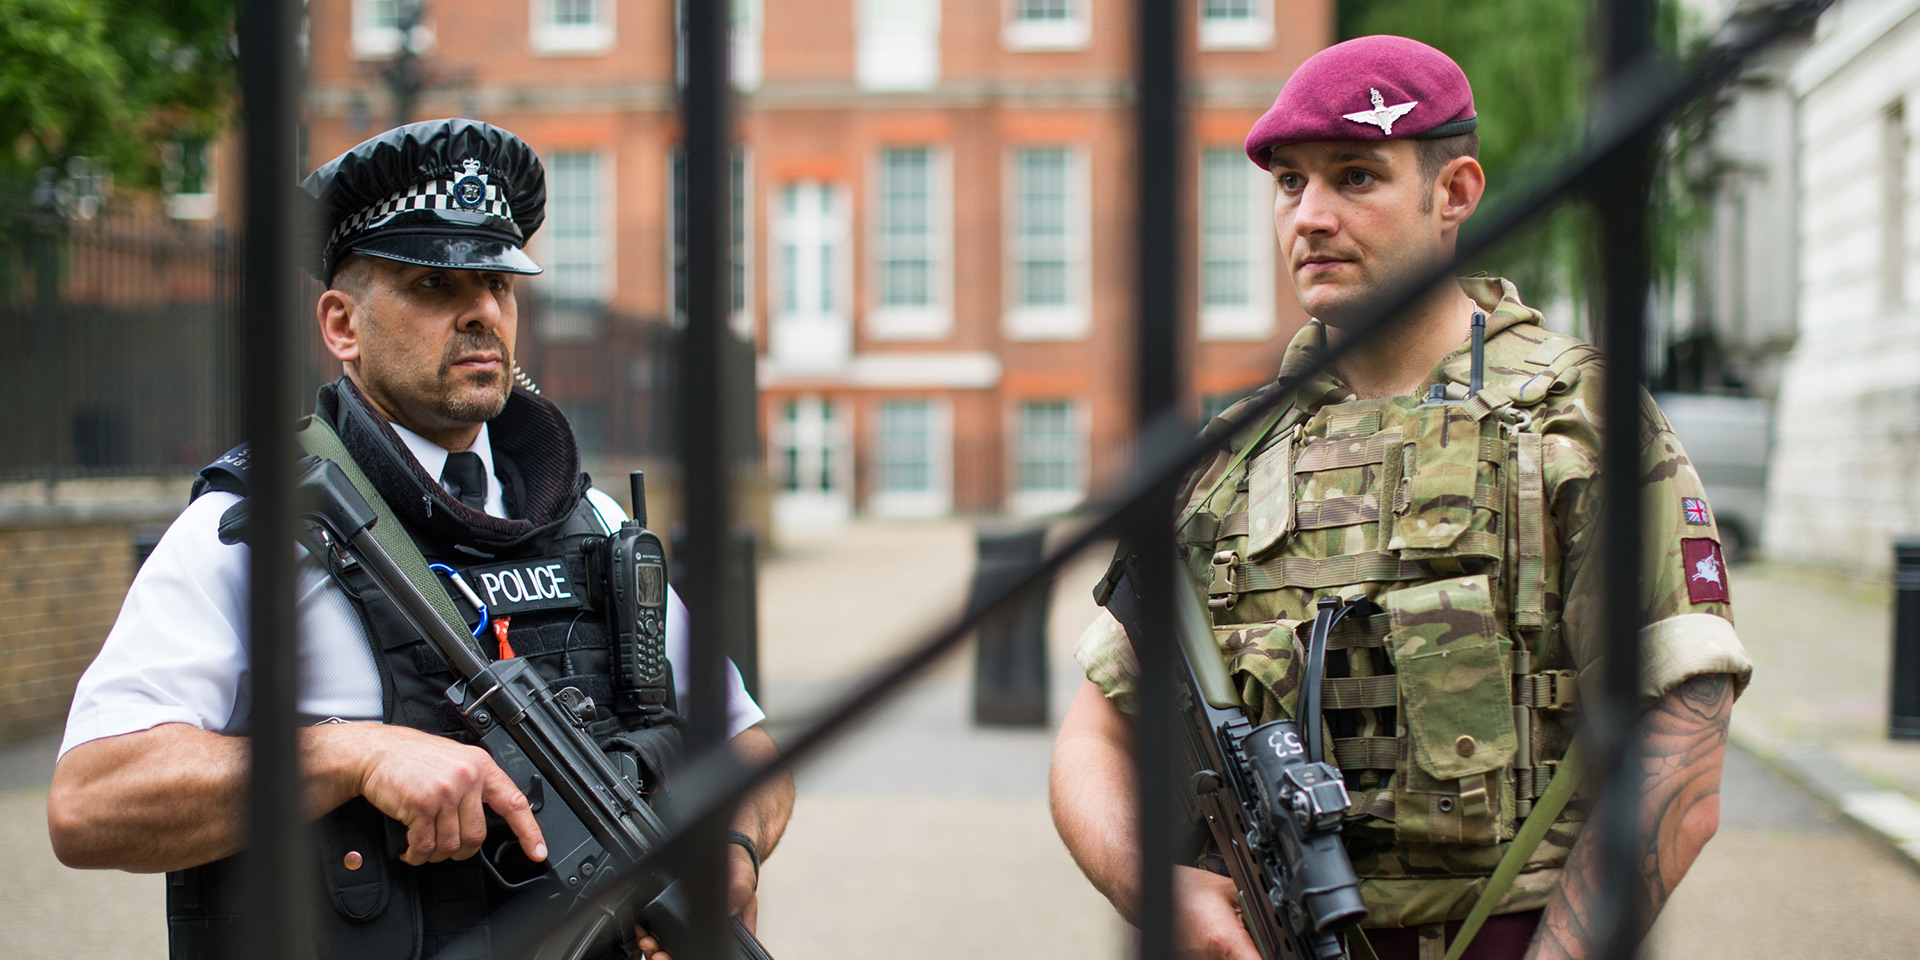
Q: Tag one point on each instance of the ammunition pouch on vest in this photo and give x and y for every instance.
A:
(1435, 712)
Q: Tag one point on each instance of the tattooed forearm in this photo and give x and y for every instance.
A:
(1685, 738)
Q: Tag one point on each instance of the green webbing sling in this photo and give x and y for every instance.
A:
(318, 438)
(1545, 811)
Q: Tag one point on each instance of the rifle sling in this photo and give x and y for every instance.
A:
(318, 438)
(1545, 811)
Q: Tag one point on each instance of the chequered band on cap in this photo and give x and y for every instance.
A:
(442, 194)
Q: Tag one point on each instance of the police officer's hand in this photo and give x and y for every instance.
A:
(1209, 909)
(743, 901)
(438, 789)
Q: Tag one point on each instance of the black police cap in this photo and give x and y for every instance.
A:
(448, 193)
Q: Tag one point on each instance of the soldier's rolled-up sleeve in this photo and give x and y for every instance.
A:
(1104, 652)
(1687, 612)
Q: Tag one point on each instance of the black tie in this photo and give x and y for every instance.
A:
(466, 478)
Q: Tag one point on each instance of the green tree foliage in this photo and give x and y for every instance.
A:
(110, 78)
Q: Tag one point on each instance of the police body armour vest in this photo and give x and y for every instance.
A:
(1447, 712)
(531, 574)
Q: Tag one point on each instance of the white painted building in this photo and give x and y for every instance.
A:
(1845, 472)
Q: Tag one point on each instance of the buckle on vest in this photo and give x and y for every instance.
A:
(1553, 690)
(1222, 592)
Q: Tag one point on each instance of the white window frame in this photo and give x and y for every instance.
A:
(1254, 32)
(548, 39)
(744, 32)
(1027, 503)
(935, 320)
(749, 16)
(812, 338)
(374, 41)
(1074, 320)
(741, 317)
(1253, 320)
(194, 205)
(937, 499)
(897, 44)
(1073, 33)
(569, 323)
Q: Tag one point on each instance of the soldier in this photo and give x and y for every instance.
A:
(1468, 517)
(421, 231)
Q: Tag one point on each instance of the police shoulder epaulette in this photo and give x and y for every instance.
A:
(227, 474)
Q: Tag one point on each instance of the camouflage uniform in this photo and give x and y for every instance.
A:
(1472, 524)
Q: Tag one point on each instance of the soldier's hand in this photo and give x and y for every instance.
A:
(1209, 917)
(439, 789)
(743, 901)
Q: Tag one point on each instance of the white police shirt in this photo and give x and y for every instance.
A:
(178, 652)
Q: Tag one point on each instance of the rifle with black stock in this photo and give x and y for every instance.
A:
(1271, 806)
(603, 825)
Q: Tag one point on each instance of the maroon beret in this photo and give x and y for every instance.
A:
(1368, 88)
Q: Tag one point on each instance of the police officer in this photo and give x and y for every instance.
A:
(423, 229)
(1466, 510)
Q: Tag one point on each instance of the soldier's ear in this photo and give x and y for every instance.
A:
(1457, 191)
(339, 319)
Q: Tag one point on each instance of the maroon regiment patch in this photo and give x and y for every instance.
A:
(1705, 570)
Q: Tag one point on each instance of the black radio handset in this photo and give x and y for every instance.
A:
(637, 578)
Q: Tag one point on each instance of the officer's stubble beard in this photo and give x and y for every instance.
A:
(447, 402)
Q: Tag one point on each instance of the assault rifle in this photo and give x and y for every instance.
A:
(602, 825)
(1271, 806)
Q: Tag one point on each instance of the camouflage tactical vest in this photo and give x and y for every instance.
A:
(1448, 712)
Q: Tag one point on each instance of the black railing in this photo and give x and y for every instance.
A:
(120, 330)
(1612, 171)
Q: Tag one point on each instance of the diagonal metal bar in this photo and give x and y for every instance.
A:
(714, 782)
(276, 870)
(1160, 143)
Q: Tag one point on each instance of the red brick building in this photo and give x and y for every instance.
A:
(933, 221)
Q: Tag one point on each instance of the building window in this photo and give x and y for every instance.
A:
(1236, 247)
(812, 471)
(1236, 24)
(899, 44)
(810, 323)
(571, 27)
(911, 275)
(578, 246)
(186, 178)
(1046, 25)
(377, 27)
(1895, 156)
(739, 286)
(1048, 246)
(912, 444)
(744, 34)
(1049, 461)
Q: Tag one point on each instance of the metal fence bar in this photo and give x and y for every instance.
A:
(277, 869)
(708, 391)
(714, 781)
(1158, 148)
(1620, 200)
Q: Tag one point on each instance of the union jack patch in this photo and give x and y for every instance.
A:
(1696, 511)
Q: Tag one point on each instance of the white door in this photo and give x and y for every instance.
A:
(812, 328)
(812, 463)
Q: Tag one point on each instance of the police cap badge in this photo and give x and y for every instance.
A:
(1368, 88)
(451, 193)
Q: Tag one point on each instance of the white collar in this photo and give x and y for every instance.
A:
(432, 458)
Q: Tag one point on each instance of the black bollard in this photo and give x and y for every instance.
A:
(1904, 723)
(1010, 649)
